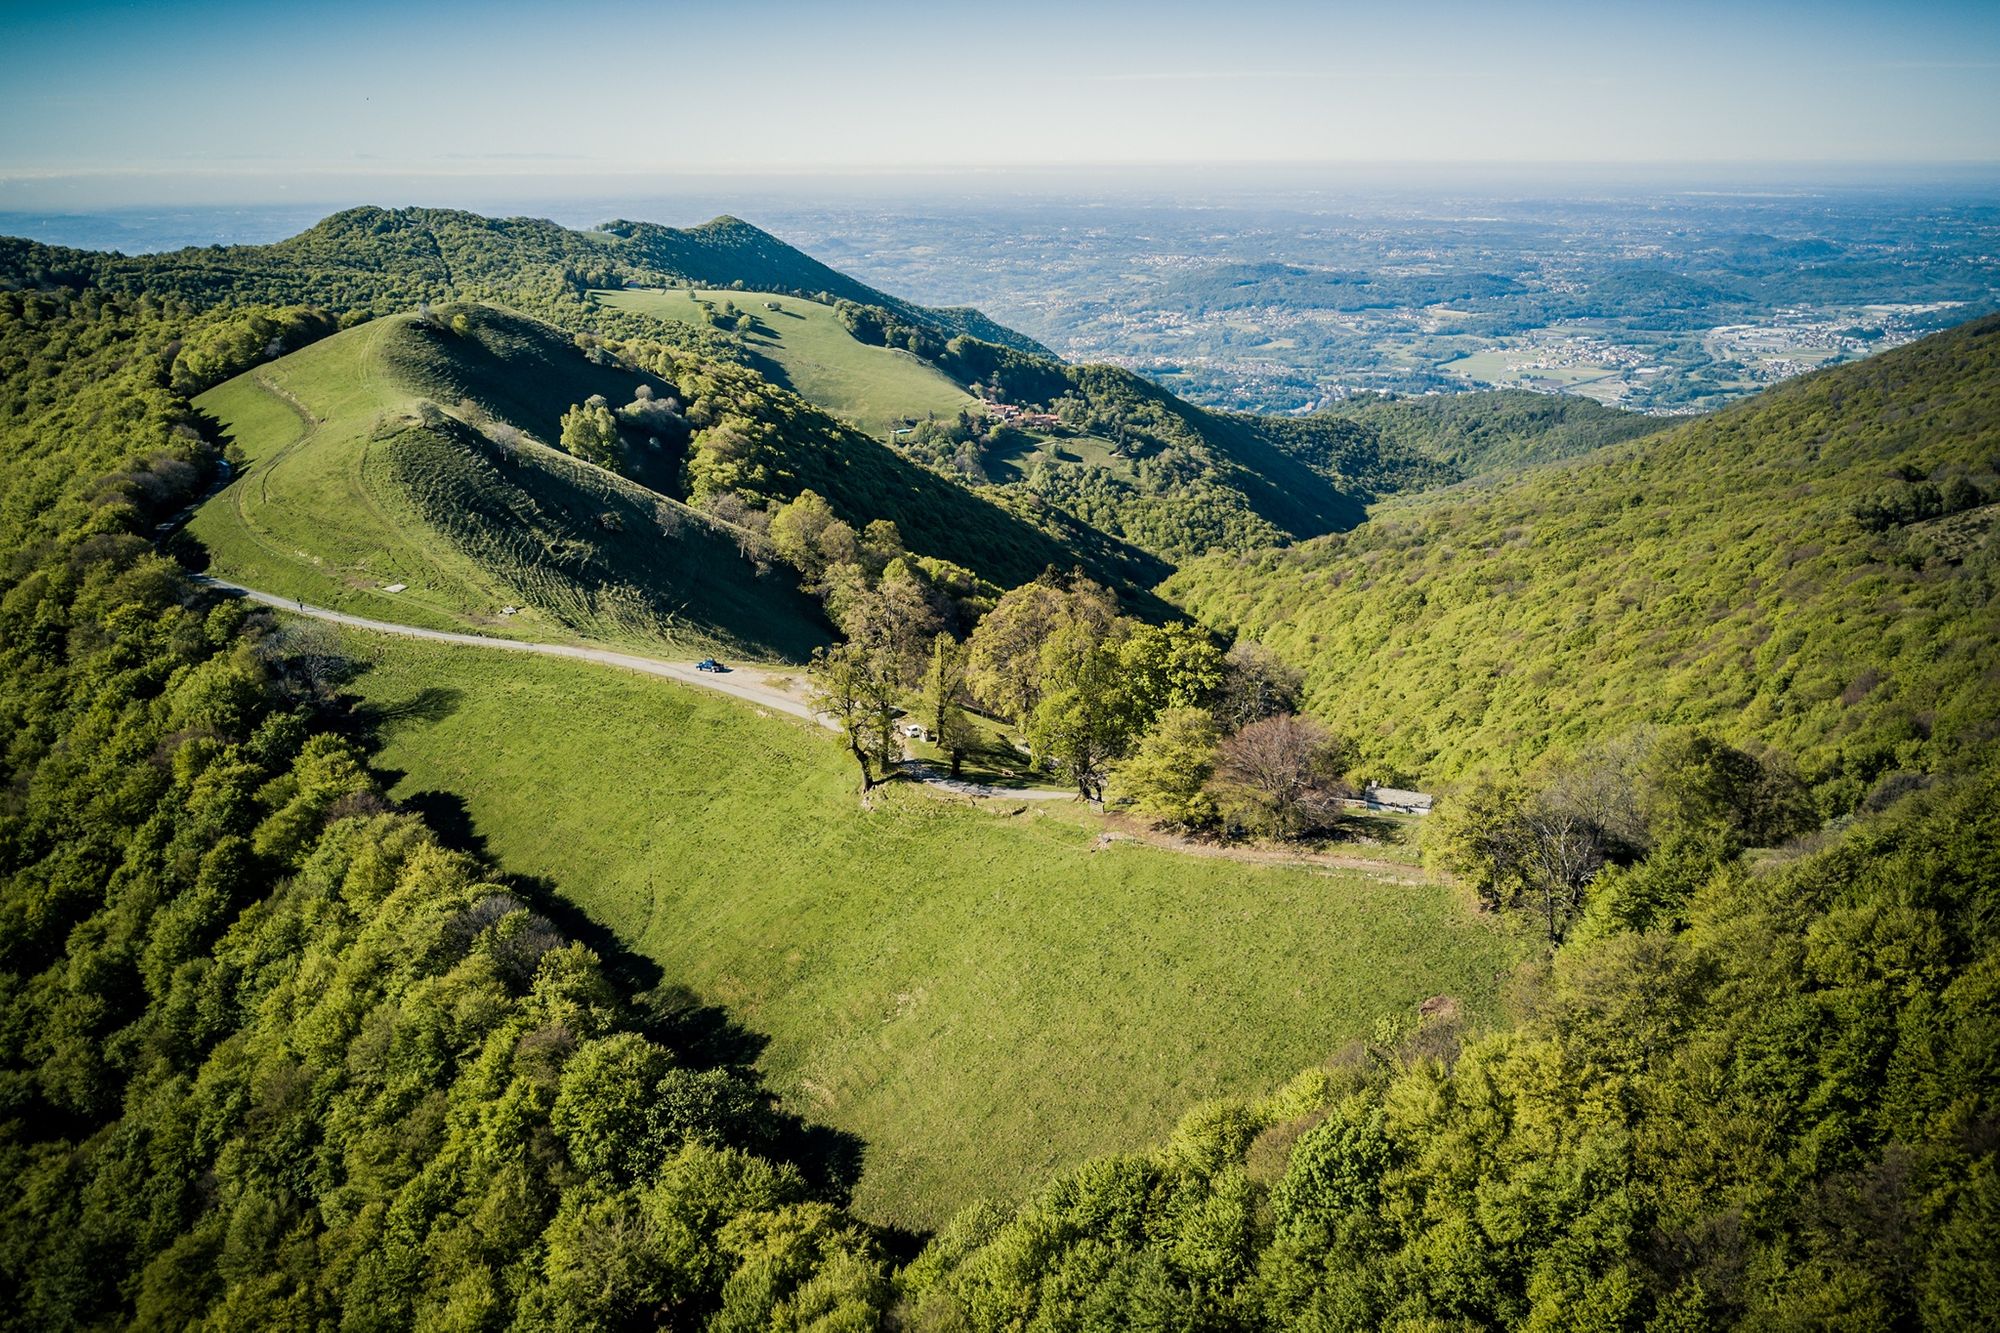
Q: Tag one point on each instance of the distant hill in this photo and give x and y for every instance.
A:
(1812, 569)
(1473, 433)
(1126, 458)
(392, 259)
(801, 345)
(1114, 451)
(729, 250)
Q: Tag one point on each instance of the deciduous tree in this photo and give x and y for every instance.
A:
(1168, 773)
(856, 687)
(944, 687)
(590, 432)
(1086, 718)
(1282, 775)
(1256, 684)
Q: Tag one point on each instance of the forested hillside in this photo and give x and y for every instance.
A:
(1810, 570)
(1779, 1116)
(269, 1055)
(277, 1052)
(1480, 432)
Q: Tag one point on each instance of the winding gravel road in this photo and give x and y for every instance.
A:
(730, 683)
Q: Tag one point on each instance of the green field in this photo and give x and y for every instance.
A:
(370, 459)
(981, 995)
(804, 346)
(310, 516)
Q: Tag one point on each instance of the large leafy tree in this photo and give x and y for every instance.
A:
(854, 685)
(1086, 717)
(1007, 670)
(590, 431)
(1167, 775)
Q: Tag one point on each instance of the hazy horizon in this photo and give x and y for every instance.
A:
(220, 103)
(265, 215)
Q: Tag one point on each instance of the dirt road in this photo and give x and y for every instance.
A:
(736, 684)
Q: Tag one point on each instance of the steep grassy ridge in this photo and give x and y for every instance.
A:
(980, 997)
(358, 478)
(1721, 572)
(728, 250)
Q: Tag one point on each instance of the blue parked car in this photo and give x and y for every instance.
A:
(709, 664)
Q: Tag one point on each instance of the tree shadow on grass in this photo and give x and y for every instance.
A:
(701, 1035)
(433, 703)
(830, 1159)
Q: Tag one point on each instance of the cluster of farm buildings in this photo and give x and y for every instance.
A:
(1018, 416)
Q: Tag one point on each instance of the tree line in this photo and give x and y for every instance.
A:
(1160, 716)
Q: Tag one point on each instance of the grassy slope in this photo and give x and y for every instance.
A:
(1711, 573)
(726, 249)
(804, 347)
(979, 997)
(349, 489)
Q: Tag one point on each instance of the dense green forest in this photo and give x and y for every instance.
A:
(1810, 570)
(273, 1055)
(1478, 432)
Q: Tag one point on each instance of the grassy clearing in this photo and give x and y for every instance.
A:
(1023, 451)
(804, 346)
(980, 996)
(367, 468)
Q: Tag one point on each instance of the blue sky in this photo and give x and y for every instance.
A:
(104, 103)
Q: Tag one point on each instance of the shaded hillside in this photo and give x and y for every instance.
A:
(1811, 568)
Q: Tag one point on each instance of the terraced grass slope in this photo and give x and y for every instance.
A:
(803, 346)
(980, 997)
(1812, 568)
(403, 452)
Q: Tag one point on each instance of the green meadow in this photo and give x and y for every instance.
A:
(313, 514)
(803, 345)
(981, 995)
(374, 458)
